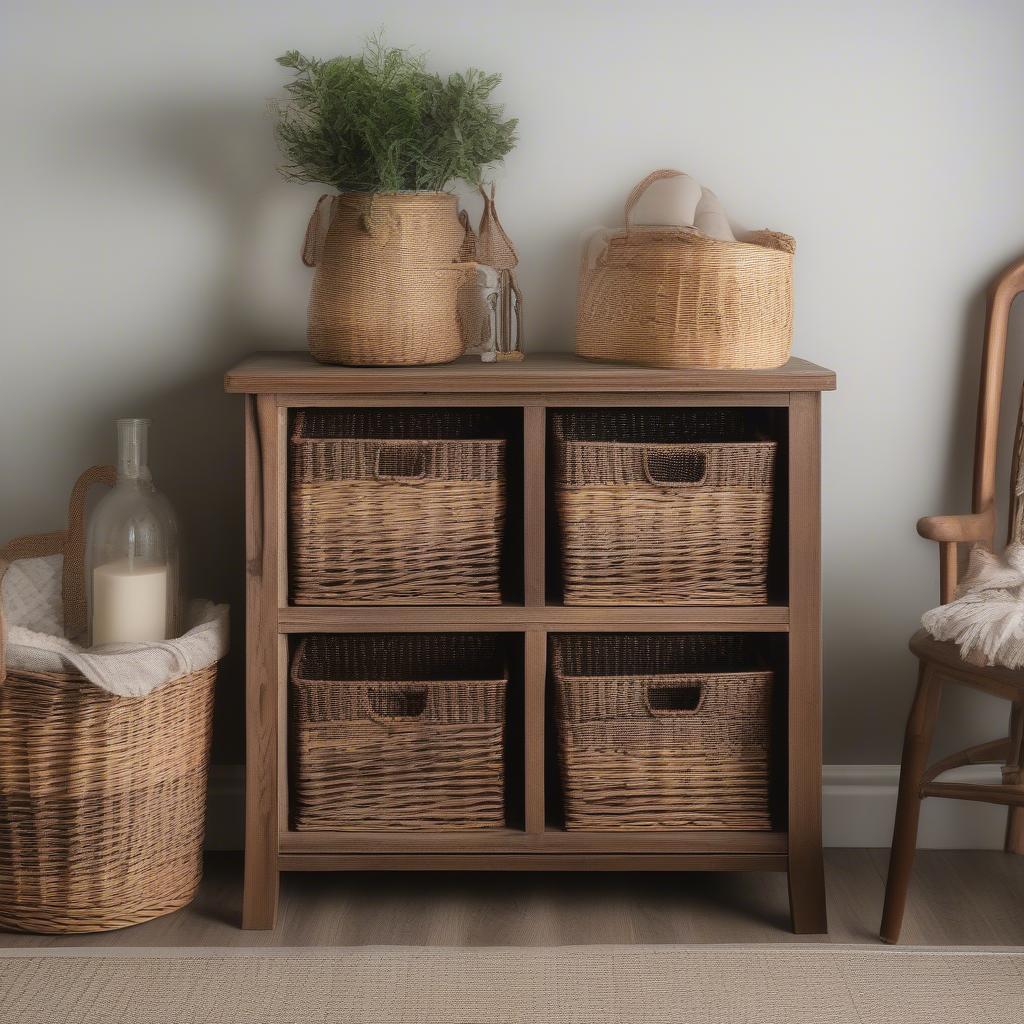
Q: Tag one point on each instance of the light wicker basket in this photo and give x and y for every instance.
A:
(102, 798)
(666, 731)
(663, 507)
(675, 298)
(395, 507)
(389, 270)
(398, 731)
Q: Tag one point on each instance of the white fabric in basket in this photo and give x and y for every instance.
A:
(31, 594)
(34, 616)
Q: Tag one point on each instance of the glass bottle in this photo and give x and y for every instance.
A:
(132, 560)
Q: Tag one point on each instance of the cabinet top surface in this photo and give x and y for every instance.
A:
(297, 373)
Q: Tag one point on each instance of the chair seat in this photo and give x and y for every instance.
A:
(946, 655)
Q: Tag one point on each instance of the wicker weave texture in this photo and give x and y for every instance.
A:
(662, 732)
(389, 267)
(102, 798)
(395, 508)
(102, 801)
(398, 731)
(676, 298)
(648, 520)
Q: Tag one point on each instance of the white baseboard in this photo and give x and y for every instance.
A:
(859, 802)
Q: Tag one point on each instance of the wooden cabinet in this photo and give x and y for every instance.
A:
(276, 383)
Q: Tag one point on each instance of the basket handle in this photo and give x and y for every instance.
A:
(671, 700)
(70, 543)
(641, 187)
(409, 464)
(469, 239)
(663, 470)
(313, 243)
(397, 705)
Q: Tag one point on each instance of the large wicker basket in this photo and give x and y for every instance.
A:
(389, 269)
(663, 507)
(398, 731)
(675, 298)
(102, 798)
(666, 731)
(395, 507)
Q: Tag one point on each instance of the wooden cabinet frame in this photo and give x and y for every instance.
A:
(273, 383)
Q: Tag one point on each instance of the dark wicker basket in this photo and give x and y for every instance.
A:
(398, 731)
(395, 507)
(663, 507)
(662, 731)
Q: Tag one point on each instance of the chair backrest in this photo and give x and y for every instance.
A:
(1015, 527)
(1006, 287)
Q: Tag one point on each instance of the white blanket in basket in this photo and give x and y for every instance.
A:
(35, 642)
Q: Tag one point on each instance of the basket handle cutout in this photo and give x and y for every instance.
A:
(681, 699)
(397, 705)
(399, 462)
(687, 468)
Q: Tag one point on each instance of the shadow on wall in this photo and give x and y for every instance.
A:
(966, 717)
(223, 159)
(961, 704)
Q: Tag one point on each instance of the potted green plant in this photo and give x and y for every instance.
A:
(389, 247)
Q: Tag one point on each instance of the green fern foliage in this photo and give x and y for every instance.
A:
(381, 122)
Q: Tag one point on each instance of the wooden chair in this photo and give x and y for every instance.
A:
(941, 662)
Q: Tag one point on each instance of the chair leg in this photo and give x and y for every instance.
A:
(1014, 775)
(916, 744)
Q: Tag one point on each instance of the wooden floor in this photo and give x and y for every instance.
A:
(957, 898)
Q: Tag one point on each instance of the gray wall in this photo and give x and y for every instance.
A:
(148, 243)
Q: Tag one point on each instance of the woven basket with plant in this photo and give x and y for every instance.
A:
(390, 249)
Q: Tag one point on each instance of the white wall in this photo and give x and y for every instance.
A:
(147, 242)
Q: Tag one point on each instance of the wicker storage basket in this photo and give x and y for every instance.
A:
(675, 298)
(398, 731)
(389, 267)
(662, 731)
(666, 507)
(393, 507)
(102, 798)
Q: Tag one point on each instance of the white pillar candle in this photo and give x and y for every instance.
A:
(129, 602)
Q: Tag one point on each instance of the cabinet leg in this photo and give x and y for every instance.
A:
(916, 744)
(807, 893)
(266, 656)
(259, 901)
(803, 772)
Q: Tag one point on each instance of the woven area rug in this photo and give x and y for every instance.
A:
(817, 984)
